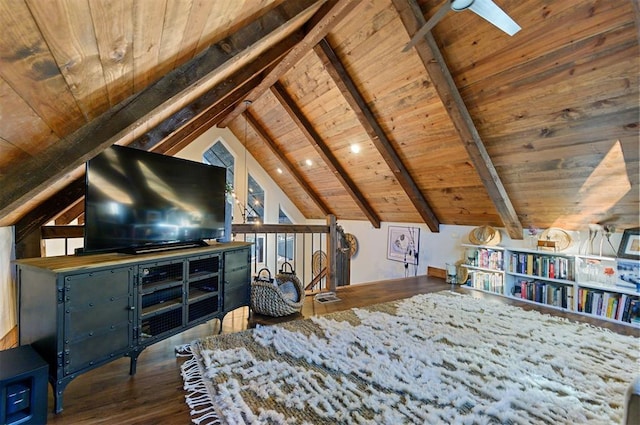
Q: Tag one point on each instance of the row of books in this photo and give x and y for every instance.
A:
(492, 282)
(489, 258)
(542, 265)
(557, 295)
(623, 307)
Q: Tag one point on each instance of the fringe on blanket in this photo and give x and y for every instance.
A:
(183, 350)
(198, 397)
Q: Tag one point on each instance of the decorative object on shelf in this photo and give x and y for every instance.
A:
(586, 247)
(452, 274)
(603, 231)
(532, 233)
(628, 274)
(555, 238)
(609, 272)
(353, 244)
(607, 231)
(462, 273)
(485, 235)
(591, 270)
(630, 244)
(471, 254)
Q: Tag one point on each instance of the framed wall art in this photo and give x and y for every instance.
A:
(630, 244)
(403, 244)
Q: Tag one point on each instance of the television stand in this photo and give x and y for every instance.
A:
(81, 312)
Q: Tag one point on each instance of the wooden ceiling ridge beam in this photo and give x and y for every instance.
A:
(177, 141)
(286, 163)
(325, 19)
(209, 108)
(325, 153)
(365, 115)
(413, 19)
(74, 211)
(50, 209)
(148, 107)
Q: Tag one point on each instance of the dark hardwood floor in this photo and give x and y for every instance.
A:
(154, 395)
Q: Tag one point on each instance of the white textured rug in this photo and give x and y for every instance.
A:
(430, 359)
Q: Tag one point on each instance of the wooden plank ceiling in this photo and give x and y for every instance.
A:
(471, 126)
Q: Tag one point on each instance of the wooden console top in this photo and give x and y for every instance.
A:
(79, 262)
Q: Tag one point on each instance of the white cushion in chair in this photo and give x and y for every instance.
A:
(289, 291)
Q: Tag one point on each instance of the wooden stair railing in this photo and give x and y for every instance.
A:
(333, 277)
(316, 279)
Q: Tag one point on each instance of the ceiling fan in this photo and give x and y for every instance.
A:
(487, 9)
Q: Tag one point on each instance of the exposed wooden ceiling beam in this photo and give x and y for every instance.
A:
(175, 133)
(286, 163)
(74, 211)
(345, 83)
(329, 15)
(152, 105)
(325, 153)
(49, 209)
(195, 128)
(433, 61)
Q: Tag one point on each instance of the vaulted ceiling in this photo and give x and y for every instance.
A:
(471, 126)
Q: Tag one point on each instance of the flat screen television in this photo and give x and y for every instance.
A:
(139, 201)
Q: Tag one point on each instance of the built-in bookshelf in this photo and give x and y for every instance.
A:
(608, 288)
(542, 277)
(486, 268)
(603, 287)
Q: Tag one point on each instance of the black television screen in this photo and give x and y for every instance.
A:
(137, 199)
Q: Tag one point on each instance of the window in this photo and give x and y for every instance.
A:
(255, 201)
(219, 155)
(283, 218)
(257, 248)
(286, 247)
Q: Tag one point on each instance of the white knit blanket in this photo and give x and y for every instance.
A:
(430, 359)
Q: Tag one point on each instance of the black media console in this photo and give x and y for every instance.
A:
(80, 312)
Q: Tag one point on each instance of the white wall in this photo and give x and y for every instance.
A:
(371, 262)
(7, 281)
(435, 249)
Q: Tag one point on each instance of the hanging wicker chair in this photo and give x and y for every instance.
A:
(277, 297)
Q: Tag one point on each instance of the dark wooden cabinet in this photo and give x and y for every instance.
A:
(97, 318)
(236, 271)
(80, 312)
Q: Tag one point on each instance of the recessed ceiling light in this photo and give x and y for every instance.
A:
(355, 148)
(309, 162)
(279, 170)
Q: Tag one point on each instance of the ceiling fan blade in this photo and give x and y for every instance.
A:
(446, 6)
(492, 13)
